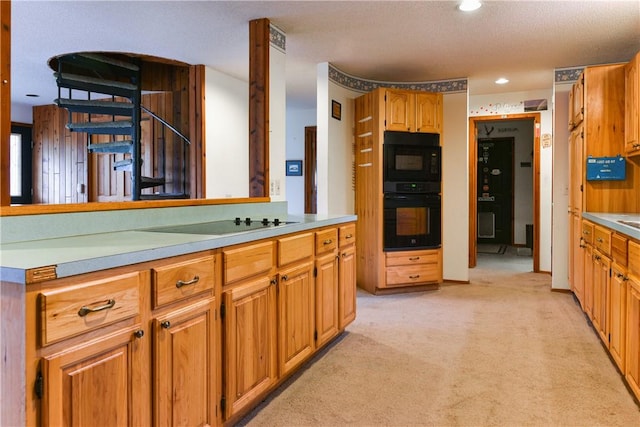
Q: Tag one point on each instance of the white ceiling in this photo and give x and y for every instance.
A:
(399, 41)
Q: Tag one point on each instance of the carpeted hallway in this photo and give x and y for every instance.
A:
(501, 351)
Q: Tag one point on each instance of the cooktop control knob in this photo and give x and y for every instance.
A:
(247, 221)
(237, 220)
(276, 221)
(265, 221)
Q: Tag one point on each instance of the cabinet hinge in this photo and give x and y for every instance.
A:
(223, 405)
(315, 335)
(222, 311)
(581, 188)
(38, 386)
(315, 271)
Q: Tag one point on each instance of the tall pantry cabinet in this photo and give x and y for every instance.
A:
(596, 121)
(384, 109)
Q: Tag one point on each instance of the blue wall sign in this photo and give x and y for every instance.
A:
(606, 168)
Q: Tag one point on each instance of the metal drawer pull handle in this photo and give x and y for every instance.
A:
(181, 283)
(599, 240)
(414, 258)
(285, 278)
(348, 236)
(586, 232)
(84, 310)
(328, 242)
(414, 277)
(166, 324)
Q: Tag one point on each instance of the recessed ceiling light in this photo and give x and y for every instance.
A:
(502, 81)
(469, 5)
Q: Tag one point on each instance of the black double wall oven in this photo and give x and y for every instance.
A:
(412, 185)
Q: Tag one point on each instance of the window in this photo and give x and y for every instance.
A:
(20, 164)
(15, 166)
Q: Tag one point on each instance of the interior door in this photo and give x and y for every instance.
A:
(495, 190)
(310, 175)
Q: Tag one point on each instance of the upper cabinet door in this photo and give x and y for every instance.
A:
(400, 110)
(632, 107)
(428, 112)
(577, 102)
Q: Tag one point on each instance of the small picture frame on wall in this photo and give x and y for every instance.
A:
(336, 110)
(294, 167)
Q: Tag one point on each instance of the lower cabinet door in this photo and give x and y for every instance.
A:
(249, 342)
(632, 365)
(98, 382)
(295, 316)
(326, 298)
(185, 375)
(347, 287)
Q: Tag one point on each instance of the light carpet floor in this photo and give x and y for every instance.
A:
(502, 351)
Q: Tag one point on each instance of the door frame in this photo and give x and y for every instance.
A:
(473, 197)
(310, 165)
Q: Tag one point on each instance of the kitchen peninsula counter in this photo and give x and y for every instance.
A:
(86, 253)
(612, 221)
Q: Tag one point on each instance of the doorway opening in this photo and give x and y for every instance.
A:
(310, 170)
(504, 185)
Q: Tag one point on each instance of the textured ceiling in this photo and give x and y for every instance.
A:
(400, 41)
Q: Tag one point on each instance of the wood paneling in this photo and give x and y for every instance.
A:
(259, 107)
(5, 100)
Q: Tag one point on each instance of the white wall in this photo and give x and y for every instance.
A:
(297, 119)
(513, 103)
(227, 135)
(455, 187)
(336, 193)
(277, 128)
(560, 232)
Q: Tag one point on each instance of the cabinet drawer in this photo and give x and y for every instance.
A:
(295, 248)
(587, 232)
(619, 249)
(347, 235)
(602, 240)
(81, 308)
(411, 258)
(183, 279)
(412, 274)
(326, 240)
(634, 258)
(247, 261)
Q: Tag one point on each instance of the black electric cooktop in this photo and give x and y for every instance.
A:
(237, 225)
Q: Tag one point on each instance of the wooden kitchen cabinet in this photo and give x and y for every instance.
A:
(88, 341)
(100, 379)
(296, 299)
(326, 284)
(576, 103)
(186, 343)
(632, 107)
(249, 345)
(347, 275)
(601, 284)
(618, 314)
(381, 110)
(632, 360)
(577, 258)
(185, 370)
(412, 111)
(411, 267)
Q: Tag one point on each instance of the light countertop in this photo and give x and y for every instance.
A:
(92, 252)
(612, 221)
